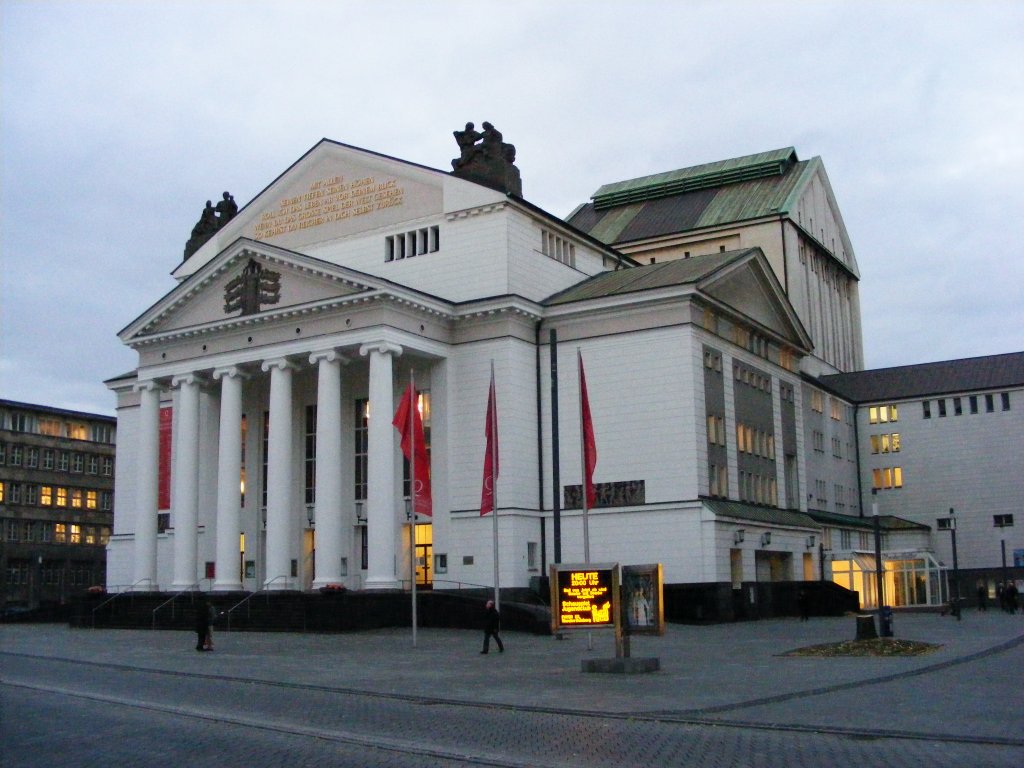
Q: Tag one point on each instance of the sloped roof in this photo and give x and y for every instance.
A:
(886, 522)
(706, 195)
(756, 514)
(647, 277)
(948, 376)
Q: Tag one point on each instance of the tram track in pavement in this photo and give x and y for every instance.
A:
(701, 717)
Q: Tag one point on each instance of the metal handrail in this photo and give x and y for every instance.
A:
(129, 591)
(172, 598)
(245, 600)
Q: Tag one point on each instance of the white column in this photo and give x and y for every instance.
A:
(185, 490)
(381, 522)
(328, 530)
(279, 474)
(229, 476)
(148, 481)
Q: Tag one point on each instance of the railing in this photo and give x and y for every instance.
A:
(191, 588)
(129, 591)
(245, 600)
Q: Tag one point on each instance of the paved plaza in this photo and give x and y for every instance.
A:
(726, 695)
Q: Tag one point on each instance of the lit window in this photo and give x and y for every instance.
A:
(59, 533)
(46, 495)
(3, 494)
(76, 534)
(49, 427)
(62, 497)
(77, 431)
(76, 498)
(90, 499)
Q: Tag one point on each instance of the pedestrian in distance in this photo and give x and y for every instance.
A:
(492, 625)
(203, 639)
(1010, 593)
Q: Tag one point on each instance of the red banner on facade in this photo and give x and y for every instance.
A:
(414, 447)
(491, 452)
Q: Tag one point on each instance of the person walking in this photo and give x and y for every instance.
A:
(203, 640)
(492, 625)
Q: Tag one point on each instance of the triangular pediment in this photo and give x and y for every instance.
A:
(750, 287)
(248, 279)
(333, 191)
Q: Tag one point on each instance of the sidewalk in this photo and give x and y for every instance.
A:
(724, 671)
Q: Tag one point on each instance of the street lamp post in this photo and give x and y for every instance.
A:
(956, 566)
(883, 628)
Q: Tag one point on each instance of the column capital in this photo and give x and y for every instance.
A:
(384, 347)
(229, 371)
(281, 363)
(187, 378)
(330, 355)
(151, 385)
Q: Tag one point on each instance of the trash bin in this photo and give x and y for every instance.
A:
(885, 621)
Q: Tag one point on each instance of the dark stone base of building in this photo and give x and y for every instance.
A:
(523, 610)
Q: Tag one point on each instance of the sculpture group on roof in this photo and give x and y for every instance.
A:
(485, 158)
(210, 220)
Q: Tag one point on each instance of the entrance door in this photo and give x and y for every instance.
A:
(424, 554)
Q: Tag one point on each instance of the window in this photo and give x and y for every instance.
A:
(14, 493)
(942, 409)
(16, 453)
(76, 498)
(362, 445)
(845, 539)
(77, 462)
(106, 500)
(47, 458)
(943, 524)
(90, 499)
(3, 454)
(92, 465)
(32, 494)
(19, 422)
(531, 556)
(3, 494)
(310, 457)
(76, 534)
(836, 409)
(926, 408)
(32, 458)
(958, 408)
(50, 427)
(63, 461)
(102, 433)
(108, 466)
(973, 400)
(1002, 521)
(989, 405)
(558, 248)
(77, 431)
(887, 478)
(882, 414)
(1005, 398)
(46, 495)
(59, 533)
(62, 497)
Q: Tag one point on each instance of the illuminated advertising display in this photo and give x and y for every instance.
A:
(584, 596)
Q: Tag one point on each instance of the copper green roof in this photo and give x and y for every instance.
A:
(740, 189)
(648, 277)
(757, 514)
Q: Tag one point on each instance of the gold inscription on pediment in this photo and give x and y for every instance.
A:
(331, 199)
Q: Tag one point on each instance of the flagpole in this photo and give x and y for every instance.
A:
(583, 477)
(412, 500)
(494, 486)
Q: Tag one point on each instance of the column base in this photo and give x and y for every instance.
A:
(382, 584)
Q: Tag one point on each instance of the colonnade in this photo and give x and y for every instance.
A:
(381, 510)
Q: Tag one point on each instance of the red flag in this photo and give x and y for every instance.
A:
(589, 444)
(491, 454)
(414, 447)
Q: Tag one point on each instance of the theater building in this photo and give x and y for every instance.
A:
(256, 449)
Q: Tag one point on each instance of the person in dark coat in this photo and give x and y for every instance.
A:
(202, 624)
(492, 624)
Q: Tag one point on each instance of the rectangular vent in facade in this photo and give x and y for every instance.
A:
(413, 243)
(558, 248)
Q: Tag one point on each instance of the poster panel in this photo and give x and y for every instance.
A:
(643, 610)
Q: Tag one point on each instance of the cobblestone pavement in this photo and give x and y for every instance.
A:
(725, 696)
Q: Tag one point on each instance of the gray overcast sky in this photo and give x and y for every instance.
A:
(119, 120)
